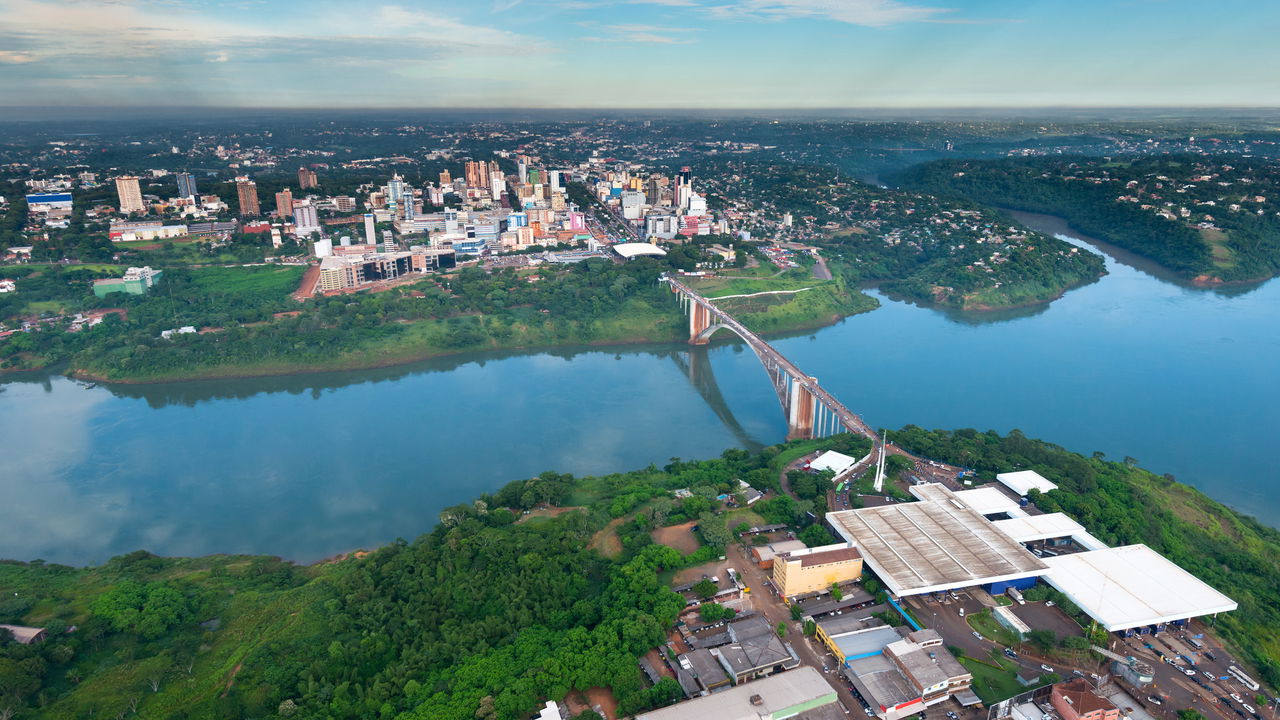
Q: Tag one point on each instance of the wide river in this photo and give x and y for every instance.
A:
(1185, 380)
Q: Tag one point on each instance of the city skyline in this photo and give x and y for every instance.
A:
(638, 53)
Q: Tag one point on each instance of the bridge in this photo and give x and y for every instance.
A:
(811, 411)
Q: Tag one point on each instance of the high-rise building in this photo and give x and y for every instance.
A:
(497, 184)
(186, 185)
(305, 219)
(477, 175)
(556, 186)
(247, 191)
(306, 178)
(284, 203)
(370, 233)
(130, 194)
(445, 178)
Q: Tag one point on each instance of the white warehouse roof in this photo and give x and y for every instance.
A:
(1051, 525)
(1025, 481)
(986, 500)
(631, 250)
(1133, 586)
(833, 461)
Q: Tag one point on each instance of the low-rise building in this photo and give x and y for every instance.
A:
(802, 693)
(911, 674)
(1075, 700)
(24, 635)
(765, 554)
(813, 569)
(136, 281)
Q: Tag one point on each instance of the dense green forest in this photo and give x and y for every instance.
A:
(493, 611)
(1201, 219)
(483, 617)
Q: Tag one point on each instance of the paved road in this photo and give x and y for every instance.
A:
(768, 604)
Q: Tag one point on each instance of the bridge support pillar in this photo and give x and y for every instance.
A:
(699, 320)
(801, 410)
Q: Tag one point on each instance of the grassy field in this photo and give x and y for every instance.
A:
(717, 287)
(992, 684)
(273, 279)
(986, 624)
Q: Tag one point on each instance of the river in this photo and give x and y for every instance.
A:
(1183, 379)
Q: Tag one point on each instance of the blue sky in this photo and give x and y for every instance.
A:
(640, 53)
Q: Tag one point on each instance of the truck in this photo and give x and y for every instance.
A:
(1016, 595)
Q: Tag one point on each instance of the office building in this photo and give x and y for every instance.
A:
(370, 234)
(247, 192)
(815, 569)
(307, 178)
(130, 194)
(186, 185)
(284, 203)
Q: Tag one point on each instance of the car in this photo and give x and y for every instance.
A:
(1236, 697)
(1050, 603)
(1247, 707)
(1191, 673)
(1154, 700)
(1010, 652)
(1208, 674)
(867, 710)
(977, 634)
(1046, 668)
(1077, 673)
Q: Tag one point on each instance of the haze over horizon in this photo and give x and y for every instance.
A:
(618, 54)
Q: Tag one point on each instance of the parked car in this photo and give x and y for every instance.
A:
(1154, 700)
(977, 634)
(1050, 603)
(1010, 652)
(1046, 668)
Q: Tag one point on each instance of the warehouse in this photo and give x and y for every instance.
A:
(1133, 587)
(934, 545)
(801, 693)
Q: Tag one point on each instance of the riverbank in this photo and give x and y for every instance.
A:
(638, 323)
(240, 630)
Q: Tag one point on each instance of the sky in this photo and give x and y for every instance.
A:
(640, 53)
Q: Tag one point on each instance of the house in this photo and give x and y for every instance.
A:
(25, 635)
(1075, 700)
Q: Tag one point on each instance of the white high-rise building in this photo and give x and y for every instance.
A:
(370, 230)
(130, 194)
(305, 219)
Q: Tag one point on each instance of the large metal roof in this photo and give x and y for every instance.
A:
(934, 545)
(1049, 525)
(779, 696)
(1024, 481)
(1133, 586)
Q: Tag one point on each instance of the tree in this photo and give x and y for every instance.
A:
(816, 536)
(836, 593)
(1189, 714)
(796, 612)
(1043, 640)
(714, 612)
(782, 629)
(705, 589)
(810, 628)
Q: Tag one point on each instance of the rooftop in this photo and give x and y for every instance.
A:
(1133, 586)
(934, 545)
(879, 682)
(632, 250)
(772, 696)
(839, 552)
(833, 461)
(1049, 525)
(1079, 693)
(862, 643)
(1024, 481)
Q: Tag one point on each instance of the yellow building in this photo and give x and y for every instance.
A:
(813, 569)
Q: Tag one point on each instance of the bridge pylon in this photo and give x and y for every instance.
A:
(801, 409)
(699, 321)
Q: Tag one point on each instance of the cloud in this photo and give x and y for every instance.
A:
(217, 56)
(645, 34)
(868, 13)
(14, 57)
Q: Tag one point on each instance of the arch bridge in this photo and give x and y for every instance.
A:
(811, 411)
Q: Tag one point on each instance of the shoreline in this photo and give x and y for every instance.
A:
(242, 373)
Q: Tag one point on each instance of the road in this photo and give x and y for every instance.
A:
(769, 605)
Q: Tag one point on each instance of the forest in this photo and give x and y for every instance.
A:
(1225, 233)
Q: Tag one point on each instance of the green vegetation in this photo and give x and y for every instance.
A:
(986, 625)
(1207, 219)
(994, 680)
(1124, 504)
